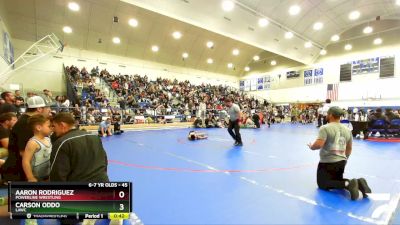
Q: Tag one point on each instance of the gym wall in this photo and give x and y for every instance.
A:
(363, 86)
(47, 72)
(3, 28)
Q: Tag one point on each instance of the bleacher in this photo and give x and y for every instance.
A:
(85, 86)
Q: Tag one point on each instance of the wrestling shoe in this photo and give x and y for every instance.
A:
(353, 189)
(238, 144)
(363, 186)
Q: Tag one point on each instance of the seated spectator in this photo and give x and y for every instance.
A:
(390, 115)
(21, 107)
(117, 128)
(90, 117)
(248, 124)
(378, 115)
(261, 116)
(105, 128)
(29, 95)
(198, 123)
(256, 120)
(193, 135)
(149, 120)
(9, 103)
(210, 122)
(65, 103)
(17, 95)
(48, 97)
(161, 119)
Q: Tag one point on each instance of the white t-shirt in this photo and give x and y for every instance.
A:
(66, 103)
(233, 111)
(325, 108)
(203, 106)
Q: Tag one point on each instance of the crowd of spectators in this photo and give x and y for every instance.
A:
(136, 95)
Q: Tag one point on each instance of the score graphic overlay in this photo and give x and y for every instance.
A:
(111, 200)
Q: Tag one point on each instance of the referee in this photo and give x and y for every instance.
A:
(234, 115)
(76, 155)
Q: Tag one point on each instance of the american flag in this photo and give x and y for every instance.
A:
(332, 92)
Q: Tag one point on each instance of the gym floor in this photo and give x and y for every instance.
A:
(270, 180)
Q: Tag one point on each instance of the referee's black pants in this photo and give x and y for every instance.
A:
(234, 125)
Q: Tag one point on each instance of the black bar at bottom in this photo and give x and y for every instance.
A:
(43, 216)
(79, 216)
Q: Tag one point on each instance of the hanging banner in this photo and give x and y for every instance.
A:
(241, 85)
(253, 86)
(319, 76)
(260, 83)
(247, 85)
(267, 82)
(308, 77)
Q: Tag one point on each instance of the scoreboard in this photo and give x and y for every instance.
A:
(52, 200)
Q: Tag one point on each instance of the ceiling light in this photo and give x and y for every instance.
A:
(368, 30)
(294, 10)
(177, 35)
(247, 69)
(235, 51)
(73, 6)
(230, 65)
(348, 47)
(67, 29)
(133, 22)
(335, 37)
(116, 40)
(154, 48)
(228, 5)
(398, 2)
(354, 15)
(273, 63)
(377, 41)
(318, 26)
(256, 58)
(210, 60)
(288, 35)
(308, 44)
(210, 44)
(185, 55)
(262, 22)
(322, 52)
